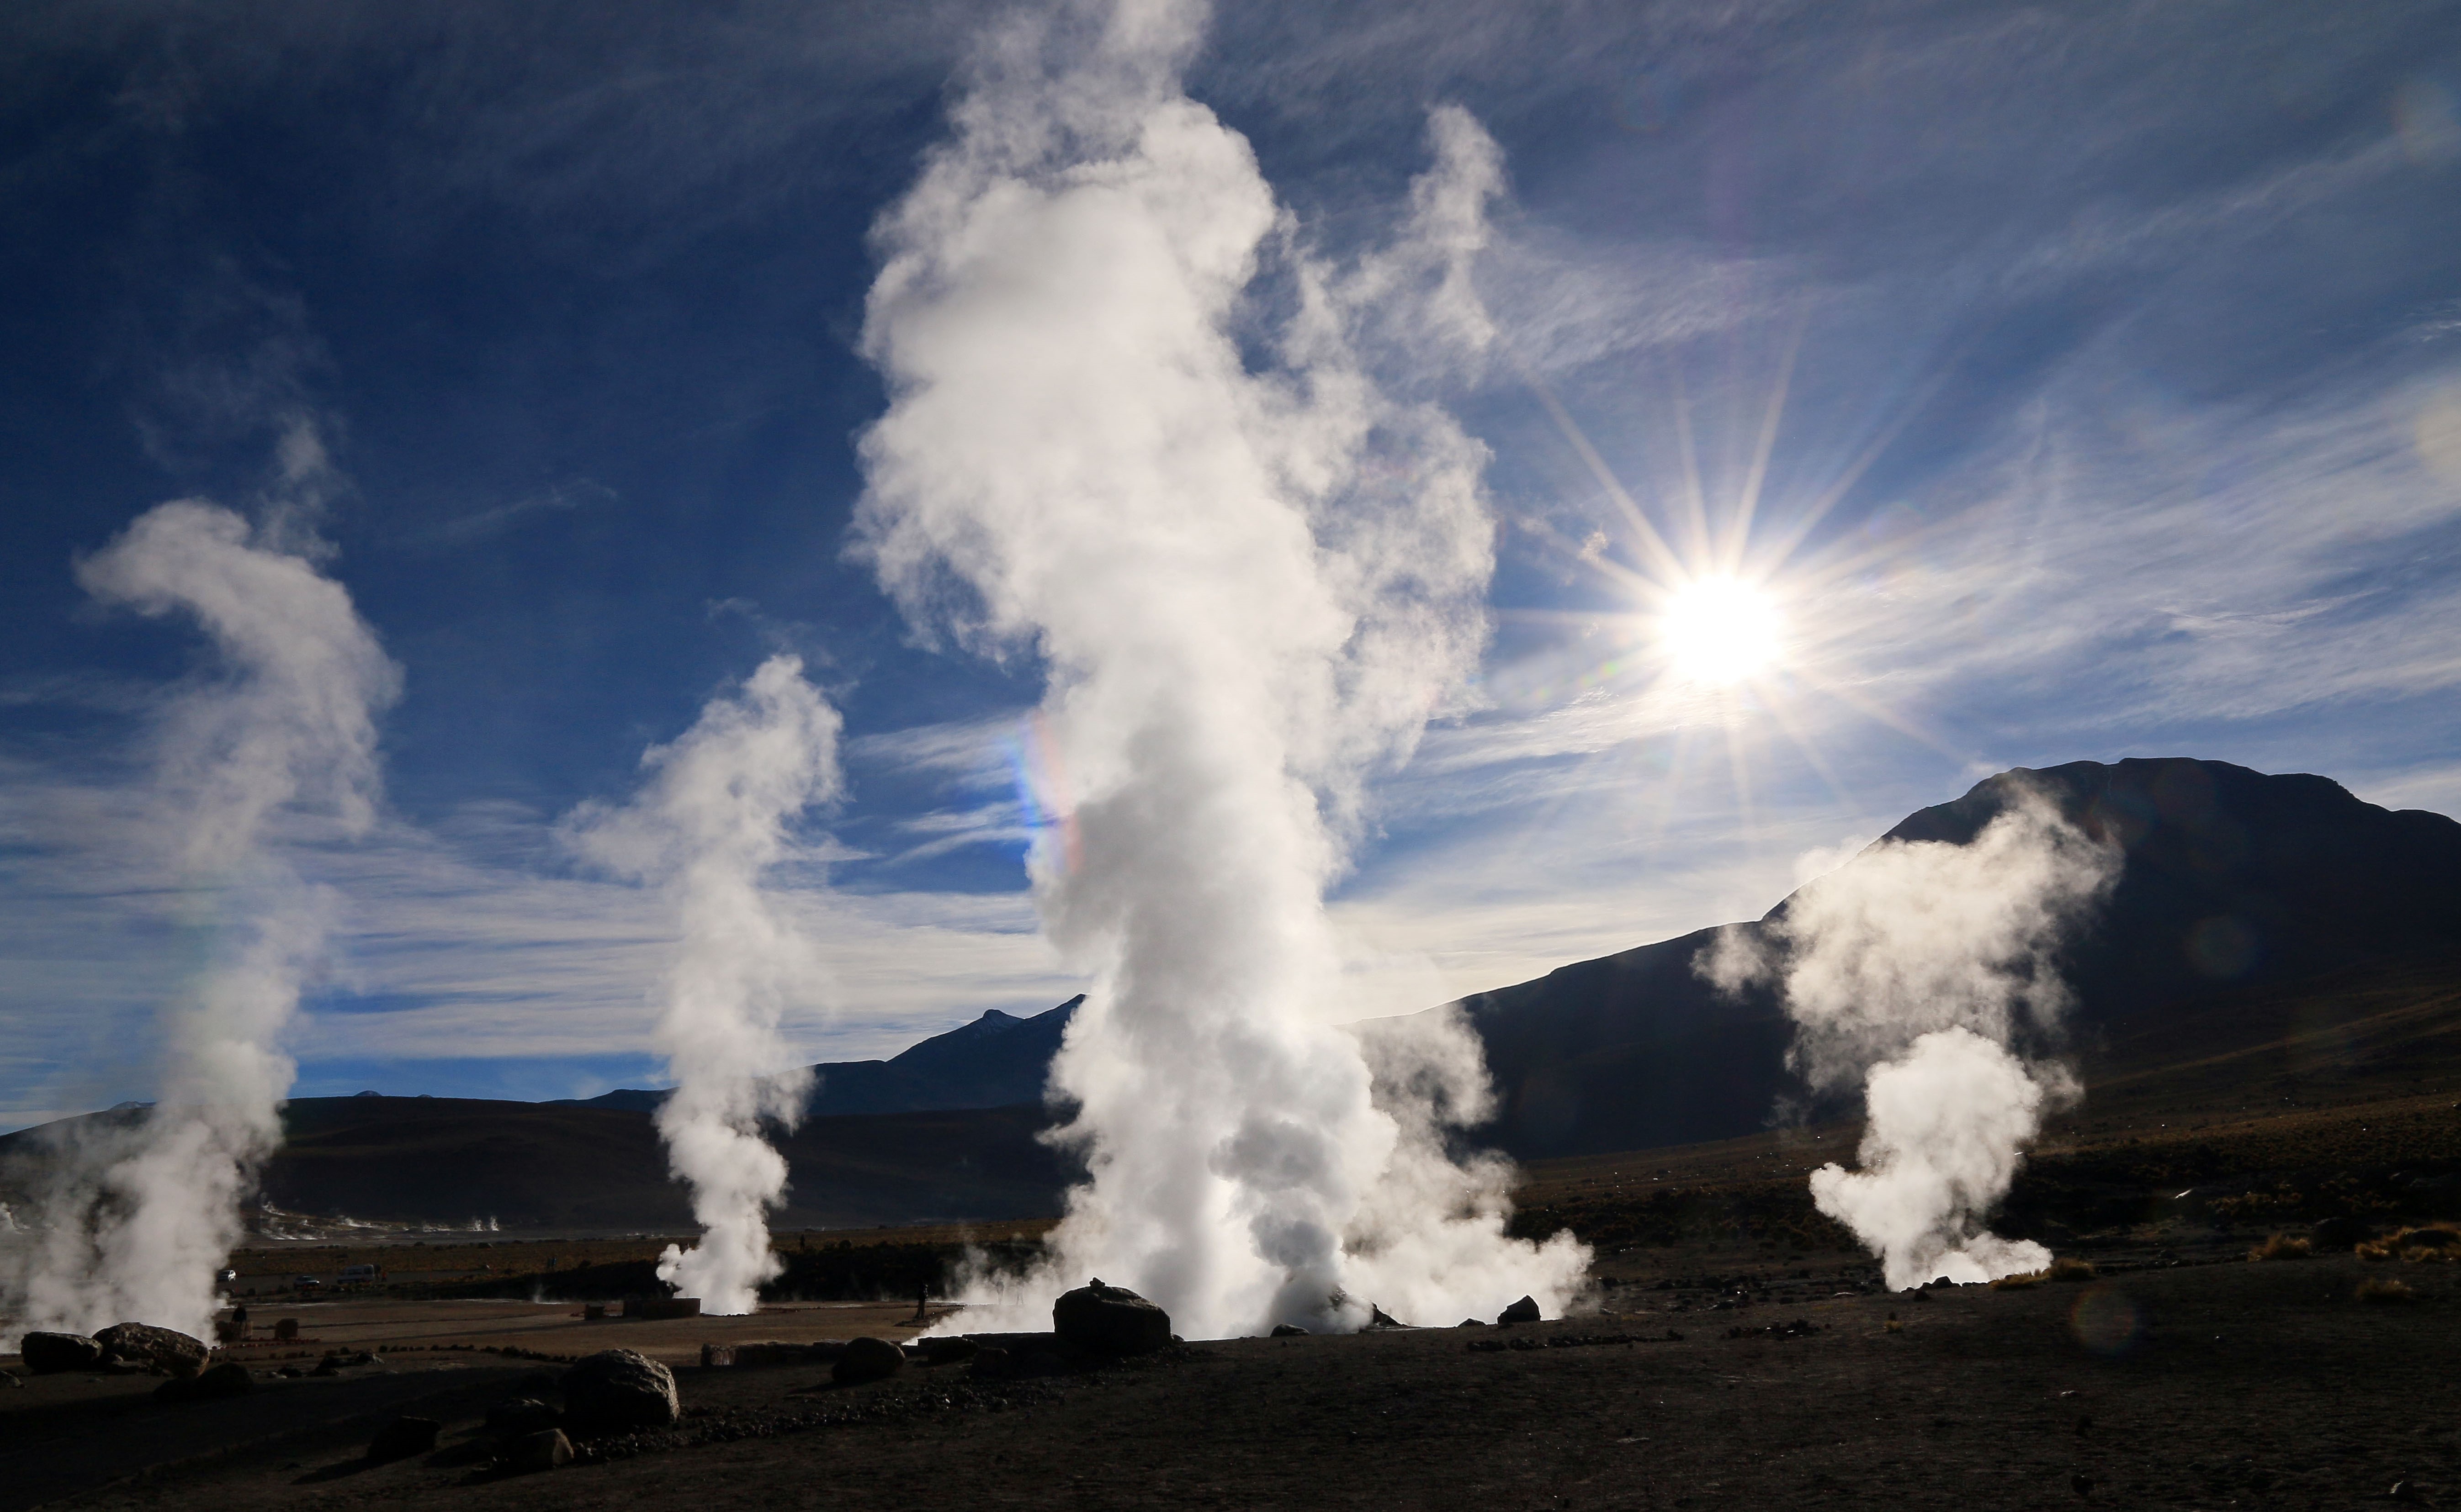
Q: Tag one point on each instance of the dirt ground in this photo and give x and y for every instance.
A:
(402, 1331)
(2175, 1380)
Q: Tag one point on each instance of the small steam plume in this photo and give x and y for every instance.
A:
(1916, 968)
(711, 818)
(1250, 577)
(137, 1218)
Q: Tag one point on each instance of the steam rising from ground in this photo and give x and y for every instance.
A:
(140, 1215)
(1915, 968)
(1249, 588)
(711, 820)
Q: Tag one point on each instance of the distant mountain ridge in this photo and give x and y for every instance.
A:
(997, 1062)
(2248, 907)
(2234, 882)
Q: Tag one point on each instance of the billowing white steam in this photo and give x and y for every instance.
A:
(137, 1220)
(711, 820)
(1249, 587)
(1914, 968)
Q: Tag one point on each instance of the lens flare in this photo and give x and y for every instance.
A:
(1719, 630)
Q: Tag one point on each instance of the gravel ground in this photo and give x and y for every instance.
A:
(2188, 1385)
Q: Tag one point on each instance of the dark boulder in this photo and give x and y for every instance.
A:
(1097, 1319)
(1288, 1330)
(867, 1359)
(50, 1353)
(2339, 1235)
(164, 1349)
(522, 1415)
(547, 1449)
(992, 1363)
(616, 1390)
(402, 1437)
(948, 1351)
(1525, 1310)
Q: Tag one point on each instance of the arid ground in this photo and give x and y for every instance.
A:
(2191, 1380)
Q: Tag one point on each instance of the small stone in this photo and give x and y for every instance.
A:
(547, 1449)
(867, 1359)
(142, 1344)
(1101, 1319)
(1525, 1310)
(401, 1439)
(50, 1353)
(614, 1390)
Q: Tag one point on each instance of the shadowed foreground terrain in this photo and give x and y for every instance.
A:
(2160, 1384)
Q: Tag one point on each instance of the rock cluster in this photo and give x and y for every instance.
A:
(165, 1349)
(1099, 1319)
(867, 1359)
(47, 1353)
(617, 1389)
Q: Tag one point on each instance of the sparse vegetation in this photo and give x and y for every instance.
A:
(2066, 1268)
(2284, 1246)
(2385, 1289)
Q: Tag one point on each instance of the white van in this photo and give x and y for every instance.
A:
(356, 1275)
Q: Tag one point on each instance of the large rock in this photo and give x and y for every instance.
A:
(1098, 1319)
(868, 1360)
(522, 1415)
(165, 1349)
(617, 1389)
(1525, 1310)
(50, 1353)
(544, 1449)
(2335, 1236)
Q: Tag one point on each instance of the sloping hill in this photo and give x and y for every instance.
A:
(997, 1062)
(541, 1165)
(2237, 887)
(2270, 938)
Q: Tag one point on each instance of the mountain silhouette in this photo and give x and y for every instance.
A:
(2233, 884)
(997, 1062)
(2249, 912)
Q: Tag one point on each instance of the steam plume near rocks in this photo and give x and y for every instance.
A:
(1251, 580)
(712, 819)
(1917, 968)
(137, 1218)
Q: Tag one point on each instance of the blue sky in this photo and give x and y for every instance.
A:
(2092, 373)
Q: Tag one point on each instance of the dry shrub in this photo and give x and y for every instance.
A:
(2373, 1253)
(2282, 1247)
(2385, 1289)
(1893, 1326)
(2018, 1281)
(2068, 1268)
(2418, 1254)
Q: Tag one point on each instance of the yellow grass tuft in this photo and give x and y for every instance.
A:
(2018, 1281)
(2062, 1269)
(2385, 1289)
(2069, 1269)
(2374, 1254)
(2282, 1247)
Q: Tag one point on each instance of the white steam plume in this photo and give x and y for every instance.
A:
(1915, 967)
(712, 819)
(1248, 590)
(137, 1220)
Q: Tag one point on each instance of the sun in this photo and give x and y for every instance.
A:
(1719, 630)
